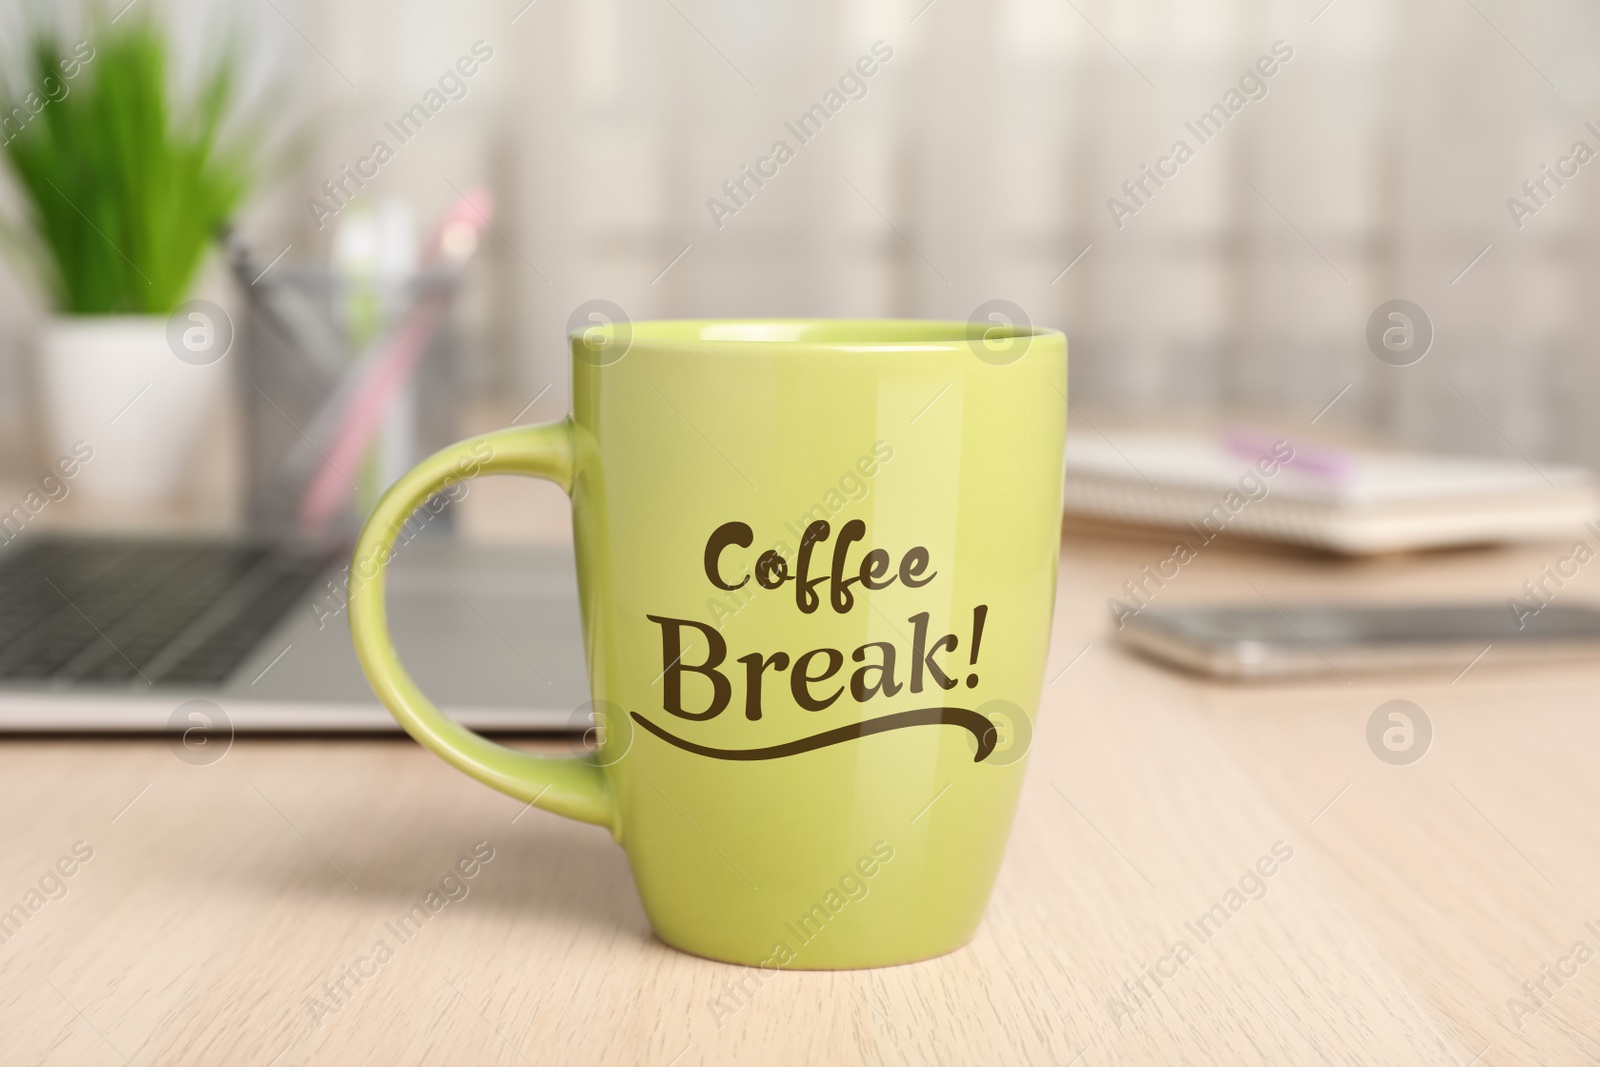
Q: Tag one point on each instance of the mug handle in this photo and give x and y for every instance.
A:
(573, 786)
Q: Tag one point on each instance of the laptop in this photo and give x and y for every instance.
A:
(137, 634)
(122, 634)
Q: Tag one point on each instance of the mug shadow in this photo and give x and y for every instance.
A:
(545, 869)
(564, 871)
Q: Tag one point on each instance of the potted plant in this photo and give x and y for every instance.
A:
(124, 183)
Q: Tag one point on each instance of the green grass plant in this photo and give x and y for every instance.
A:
(124, 185)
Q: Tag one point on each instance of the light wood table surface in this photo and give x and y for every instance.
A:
(221, 899)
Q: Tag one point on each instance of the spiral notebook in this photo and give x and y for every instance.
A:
(1353, 501)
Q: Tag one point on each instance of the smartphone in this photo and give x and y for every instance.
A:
(1256, 642)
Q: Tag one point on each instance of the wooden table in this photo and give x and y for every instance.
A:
(223, 900)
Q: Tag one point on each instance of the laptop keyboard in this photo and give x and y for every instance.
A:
(115, 610)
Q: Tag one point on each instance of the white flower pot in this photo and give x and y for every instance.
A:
(113, 382)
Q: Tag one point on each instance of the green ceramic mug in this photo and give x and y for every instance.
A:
(817, 562)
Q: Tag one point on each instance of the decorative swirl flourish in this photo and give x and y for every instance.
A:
(982, 729)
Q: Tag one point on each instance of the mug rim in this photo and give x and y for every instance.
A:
(796, 333)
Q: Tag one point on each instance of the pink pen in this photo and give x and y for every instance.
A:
(1327, 464)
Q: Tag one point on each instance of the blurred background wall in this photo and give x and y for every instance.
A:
(978, 165)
